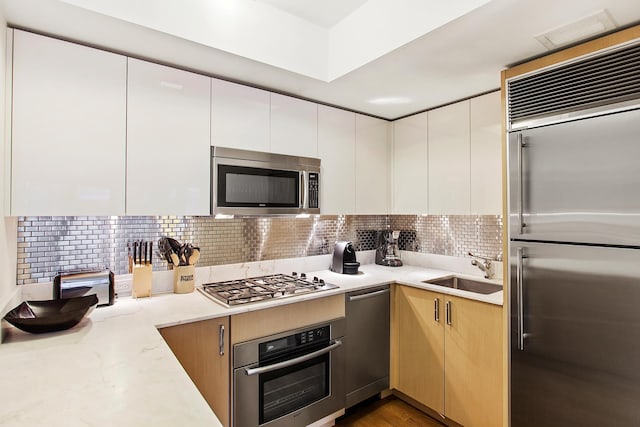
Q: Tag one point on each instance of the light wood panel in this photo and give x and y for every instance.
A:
(473, 366)
(418, 346)
(195, 345)
(261, 323)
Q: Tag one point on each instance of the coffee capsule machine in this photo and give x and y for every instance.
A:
(344, 258)
(388, 253)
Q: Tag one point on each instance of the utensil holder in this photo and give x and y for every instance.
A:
(142, 275)
(184, 279)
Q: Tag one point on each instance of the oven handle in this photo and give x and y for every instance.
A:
(284, 364)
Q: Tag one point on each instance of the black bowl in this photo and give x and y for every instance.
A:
(38, 317)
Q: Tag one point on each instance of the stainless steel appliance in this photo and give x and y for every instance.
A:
(574, 229)
(263, 288)
(256, 183)
(367, 350)
(290, 379)
(85, 282)
(344, 258)
(388, 253)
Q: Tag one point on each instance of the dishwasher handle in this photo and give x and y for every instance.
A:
(368, 295)
(286, 363)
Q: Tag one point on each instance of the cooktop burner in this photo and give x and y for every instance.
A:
(255, 289)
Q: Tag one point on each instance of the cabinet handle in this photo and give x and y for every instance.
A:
(448, 313)
(520, 198)
(436, 310)
(221, 340)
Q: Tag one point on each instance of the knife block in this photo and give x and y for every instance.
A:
(184, 279)
(142, 275)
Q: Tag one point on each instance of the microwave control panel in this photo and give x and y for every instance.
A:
(314, 190)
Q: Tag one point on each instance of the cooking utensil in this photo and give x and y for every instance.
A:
(195, 256)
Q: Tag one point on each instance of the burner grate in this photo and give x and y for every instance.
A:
(234, 292)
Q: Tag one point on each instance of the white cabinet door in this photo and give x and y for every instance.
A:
(372, 168)
(336, 146)
(168, 150)
(68, 128)
(410, 165)
(449, 152)
(294, 126)
(486, 155)
(239, 116)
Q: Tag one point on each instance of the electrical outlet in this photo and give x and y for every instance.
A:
(123, 286)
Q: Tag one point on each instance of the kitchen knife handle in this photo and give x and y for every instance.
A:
(449, 313)
(146, 249)
(221, 340)
(520, 198)
(150, 253)
(436, 310)
(519, 299)
(135, 252)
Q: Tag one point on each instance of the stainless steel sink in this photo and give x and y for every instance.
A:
(466, 285)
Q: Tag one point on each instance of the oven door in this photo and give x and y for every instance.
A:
(290, 392)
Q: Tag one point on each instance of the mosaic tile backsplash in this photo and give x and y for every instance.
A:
(47, 245)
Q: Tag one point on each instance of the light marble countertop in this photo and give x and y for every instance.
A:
(114, 368)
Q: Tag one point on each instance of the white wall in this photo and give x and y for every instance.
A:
(8, 225)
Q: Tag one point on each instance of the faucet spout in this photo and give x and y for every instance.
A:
(484, 264)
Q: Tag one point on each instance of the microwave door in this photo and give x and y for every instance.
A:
(577, 181)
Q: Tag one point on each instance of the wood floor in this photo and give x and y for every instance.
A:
(389, 412)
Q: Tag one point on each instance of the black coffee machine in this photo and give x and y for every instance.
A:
(344, 258)
(387, 252)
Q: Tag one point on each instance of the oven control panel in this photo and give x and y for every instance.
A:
(291, 342)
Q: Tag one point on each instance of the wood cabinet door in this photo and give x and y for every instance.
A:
(473, 363)
(168, 148)
(197, 346)
(68, 128)
(372, 166)
(417, 367)
(336, 149)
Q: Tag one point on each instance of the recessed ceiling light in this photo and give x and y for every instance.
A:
(576, 31)
(390, 100)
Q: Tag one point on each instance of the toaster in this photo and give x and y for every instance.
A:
(79, 283)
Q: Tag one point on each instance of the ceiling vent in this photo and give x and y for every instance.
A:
(582, 29)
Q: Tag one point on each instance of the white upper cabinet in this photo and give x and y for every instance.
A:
(336, 149)
(372, 168)
(410, 165)
(486, 155)
(68, 128)
(449, 153)
(294, 126)
(168, 150)
(239, 116)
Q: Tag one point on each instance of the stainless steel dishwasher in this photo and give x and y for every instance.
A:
(367, 350)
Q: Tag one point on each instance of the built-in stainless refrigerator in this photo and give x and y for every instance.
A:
(574, 279)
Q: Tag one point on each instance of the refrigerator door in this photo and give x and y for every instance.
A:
(577, 181)
(575, 335)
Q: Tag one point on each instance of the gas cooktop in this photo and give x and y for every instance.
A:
(264, 288)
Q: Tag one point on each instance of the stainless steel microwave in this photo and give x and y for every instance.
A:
(256, 183)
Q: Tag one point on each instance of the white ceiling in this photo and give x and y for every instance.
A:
(325, 13)
(437, 63)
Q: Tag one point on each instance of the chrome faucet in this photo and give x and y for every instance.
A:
(484, 264)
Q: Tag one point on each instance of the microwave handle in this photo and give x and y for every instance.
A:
(304, 189)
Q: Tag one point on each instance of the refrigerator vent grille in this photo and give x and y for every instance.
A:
(609, 78)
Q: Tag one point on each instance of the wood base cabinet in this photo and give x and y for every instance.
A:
(203, 350)
(447, 354)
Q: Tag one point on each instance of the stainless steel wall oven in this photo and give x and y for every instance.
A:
(290, 379)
